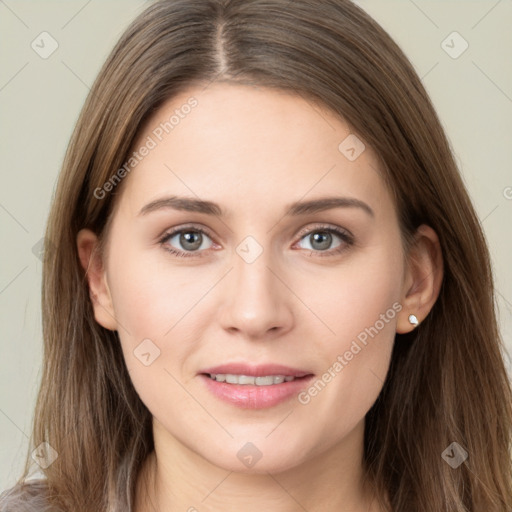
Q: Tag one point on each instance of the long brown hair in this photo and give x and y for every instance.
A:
(447, 381)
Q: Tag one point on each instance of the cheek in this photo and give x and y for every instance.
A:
(150, 297)
(153, 308)
(150, 305)
(162, 309)
(360, 308)
(361, 294)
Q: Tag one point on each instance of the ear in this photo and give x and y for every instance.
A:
(99, 292)
(423, 278)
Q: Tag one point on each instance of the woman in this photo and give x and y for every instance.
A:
(270, 288)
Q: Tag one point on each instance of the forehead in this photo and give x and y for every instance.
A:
(249, 147)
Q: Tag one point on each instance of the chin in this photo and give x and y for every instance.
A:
(250, 460)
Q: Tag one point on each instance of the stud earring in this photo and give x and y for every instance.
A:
(413, 320)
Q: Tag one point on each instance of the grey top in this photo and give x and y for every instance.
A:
(26, 497)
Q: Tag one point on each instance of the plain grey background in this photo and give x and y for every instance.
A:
(51, 52)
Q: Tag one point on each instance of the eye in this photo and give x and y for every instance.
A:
(321, 238)
(191, 239)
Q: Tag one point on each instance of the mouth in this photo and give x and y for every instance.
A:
(251, 380)
(255, 387)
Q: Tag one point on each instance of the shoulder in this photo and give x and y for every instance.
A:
(28, 496)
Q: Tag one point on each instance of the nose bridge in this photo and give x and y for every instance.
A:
(257, 299)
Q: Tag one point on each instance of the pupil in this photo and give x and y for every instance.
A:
(188, 242)
(326, 239)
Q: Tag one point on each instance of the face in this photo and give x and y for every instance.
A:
(251, 282)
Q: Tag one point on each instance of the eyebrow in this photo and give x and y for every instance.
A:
(294, 209)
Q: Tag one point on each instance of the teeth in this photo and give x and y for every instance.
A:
(266, 380)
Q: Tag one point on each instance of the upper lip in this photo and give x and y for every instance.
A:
(256, 370)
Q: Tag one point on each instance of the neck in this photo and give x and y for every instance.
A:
(174, 478)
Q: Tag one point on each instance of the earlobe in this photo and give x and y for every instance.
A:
(99, 292)
(423, 280)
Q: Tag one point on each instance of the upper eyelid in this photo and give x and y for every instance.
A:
(327, 227)
(190, 227)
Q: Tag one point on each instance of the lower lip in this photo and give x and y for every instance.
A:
(248, 396)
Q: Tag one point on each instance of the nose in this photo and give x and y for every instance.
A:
(257, 304)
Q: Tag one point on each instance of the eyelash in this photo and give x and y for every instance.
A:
(344, 235)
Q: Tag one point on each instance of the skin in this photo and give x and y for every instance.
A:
(254, 151)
